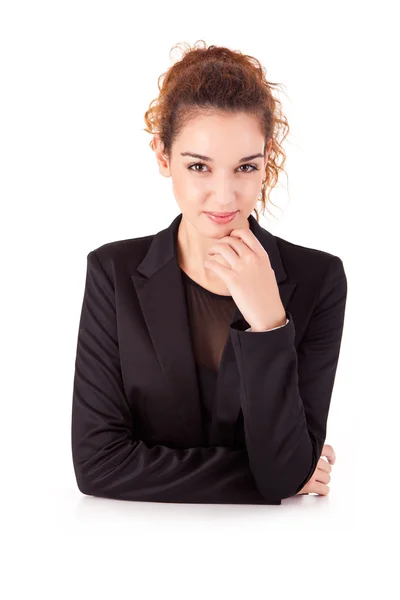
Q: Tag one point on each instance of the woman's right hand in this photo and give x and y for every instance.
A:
(321, 476)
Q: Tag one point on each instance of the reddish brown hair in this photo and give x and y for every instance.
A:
(217, 78)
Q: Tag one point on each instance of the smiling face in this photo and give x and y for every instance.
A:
(225, 176)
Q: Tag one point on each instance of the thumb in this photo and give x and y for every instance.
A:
(217, 267)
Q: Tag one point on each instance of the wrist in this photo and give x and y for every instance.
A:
(271, 324)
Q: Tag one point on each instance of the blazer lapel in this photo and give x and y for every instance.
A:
(160, 291)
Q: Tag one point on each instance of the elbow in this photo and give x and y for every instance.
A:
(288, 477)
(282, 486)
(91, 487)
(90, 470)
(84, 483)
(85, 487)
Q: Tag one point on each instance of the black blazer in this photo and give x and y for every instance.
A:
(136, 428)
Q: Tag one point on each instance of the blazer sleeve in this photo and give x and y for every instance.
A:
(272, 329)
(285, 393)
(108, 461)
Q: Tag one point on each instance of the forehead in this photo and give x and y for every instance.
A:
(211, 131)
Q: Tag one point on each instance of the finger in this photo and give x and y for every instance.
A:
(320, 488)
(219, 269)
(329, 452)
(321, 476)
(235, 244)
(248, 237)
(226, 252)
(324, 465)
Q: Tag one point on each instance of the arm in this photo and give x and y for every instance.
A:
(108, 461)
(285, 394)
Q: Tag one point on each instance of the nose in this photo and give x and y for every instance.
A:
(224, 195)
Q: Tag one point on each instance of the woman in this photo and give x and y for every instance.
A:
(207, 352)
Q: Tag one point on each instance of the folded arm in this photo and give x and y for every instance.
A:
(108, 461)
(286, 393)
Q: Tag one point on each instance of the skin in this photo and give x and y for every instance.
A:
(228, 259)
(221, 185)
(318, 484)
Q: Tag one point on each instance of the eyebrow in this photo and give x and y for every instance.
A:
(201, 157)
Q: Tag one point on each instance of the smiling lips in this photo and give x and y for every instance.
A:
(221, 218)
(216, 214)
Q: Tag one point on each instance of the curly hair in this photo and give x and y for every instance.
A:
(215, 77)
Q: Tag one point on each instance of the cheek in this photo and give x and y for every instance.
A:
(187, 186)
(188, 196)
(180, 187)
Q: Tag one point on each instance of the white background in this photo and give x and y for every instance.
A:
(77, 172)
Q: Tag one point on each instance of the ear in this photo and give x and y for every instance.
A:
(163, 163)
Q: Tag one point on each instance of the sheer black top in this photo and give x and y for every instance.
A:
(209, 317)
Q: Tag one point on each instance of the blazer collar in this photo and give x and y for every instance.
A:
(160, 291)
(163, 249)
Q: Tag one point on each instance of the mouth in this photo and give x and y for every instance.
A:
(222, 218)
(222, 215)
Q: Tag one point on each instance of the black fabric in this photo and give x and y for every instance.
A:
(137, 429)
(209, 316)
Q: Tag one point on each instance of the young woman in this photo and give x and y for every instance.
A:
(207, 352)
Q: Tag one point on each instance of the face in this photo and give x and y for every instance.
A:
(225, 176)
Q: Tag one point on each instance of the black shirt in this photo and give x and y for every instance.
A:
(209, 316)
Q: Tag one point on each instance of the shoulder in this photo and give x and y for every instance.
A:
(128, 252)
(310, 265)
(295, 253)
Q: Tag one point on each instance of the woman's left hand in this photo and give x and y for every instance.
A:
(250, 278)
(318, 482)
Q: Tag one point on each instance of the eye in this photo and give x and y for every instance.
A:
(200, 164)
(253, 167)
(196, 165)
